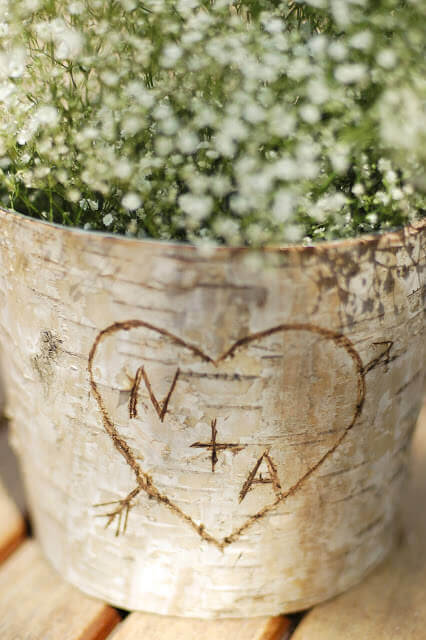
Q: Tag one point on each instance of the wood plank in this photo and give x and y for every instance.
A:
(36, 602)
(12, 526)
(391, 602)
(153, 627)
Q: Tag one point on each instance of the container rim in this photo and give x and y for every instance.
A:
(364, 238)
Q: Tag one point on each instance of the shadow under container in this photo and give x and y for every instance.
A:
(241, 422)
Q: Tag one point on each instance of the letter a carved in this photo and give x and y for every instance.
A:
(255, 478)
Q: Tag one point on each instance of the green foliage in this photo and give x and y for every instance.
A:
(213, 121)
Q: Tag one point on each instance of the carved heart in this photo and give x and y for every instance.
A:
(186, 401)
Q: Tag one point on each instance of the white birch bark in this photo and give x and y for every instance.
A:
(244, 430)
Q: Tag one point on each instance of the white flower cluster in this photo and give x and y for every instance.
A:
(214, 121)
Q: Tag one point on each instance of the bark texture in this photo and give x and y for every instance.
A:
(243, 429)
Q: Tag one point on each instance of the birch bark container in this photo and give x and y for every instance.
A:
(243, 430)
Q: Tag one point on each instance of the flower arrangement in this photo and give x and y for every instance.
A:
(214, 121)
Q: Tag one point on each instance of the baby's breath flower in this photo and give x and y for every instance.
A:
(213, 122)
(372, 218)
(361, 40)
(12, 62)
(131, 201)
(196, 207)
(171, 54)
(358, 189)
(350, 73)
(283, 206)
(386, 58)
(73, 195)
(397, 193)
(337, 50)
(46, 115)
(310, 113)
(76, 8)
(293, 233)
(123, 169)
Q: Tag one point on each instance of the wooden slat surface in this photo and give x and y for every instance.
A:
(391, 603)
(141, 626)
(36, 604)
(12, 526)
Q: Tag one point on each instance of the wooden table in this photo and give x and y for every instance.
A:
(36, 604)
